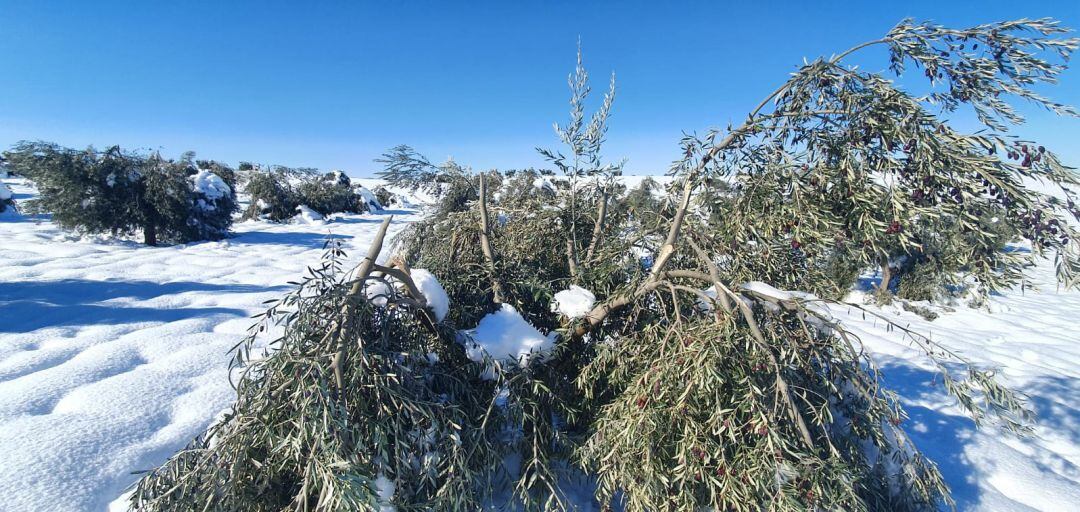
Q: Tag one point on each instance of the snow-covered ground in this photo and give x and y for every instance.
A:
(113, 355)
(1034, 339)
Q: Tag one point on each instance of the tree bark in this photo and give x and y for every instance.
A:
(485, 243)
(571, 260)
(362, 271)
(150, 234)
(886, 276)
(597, 227)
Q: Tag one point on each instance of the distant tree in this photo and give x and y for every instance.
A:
(277, 193)
(331, 193)
(271, 195)
(453, 185)
(213, 200)
(120, 193)
(404, 167)
(384, 196)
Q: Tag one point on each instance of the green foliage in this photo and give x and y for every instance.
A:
(7, 199)
(691, 384)
(278, 192)
(845, 162)
(679, 407)
(5, 169)
(697, 422)
(384, 196)
(451, 184)
(525, 186)
(271, 196)
(299, 437)
(120, 192)
(331, 193)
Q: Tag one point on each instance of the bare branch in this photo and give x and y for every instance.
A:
(485, 243)
(362, 272)
(598, 225)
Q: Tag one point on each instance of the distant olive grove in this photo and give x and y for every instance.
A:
(130, 193)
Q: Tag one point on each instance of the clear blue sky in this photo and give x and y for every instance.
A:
(334, 84)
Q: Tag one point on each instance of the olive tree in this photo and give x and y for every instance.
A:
(121, 192)
(692, 378)
(278, 191)
(841, 164)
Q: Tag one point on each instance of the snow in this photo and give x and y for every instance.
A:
(433, 292)
(1032, 338)
(574, 302)
(114, 355)
(377, 292)
(544, 184)
(5, 192)
(369, 198)
(766, 290)
(706, 306)
(385, 488)
(305, 215)
(210, 185)
(407, 198)
(505, 335)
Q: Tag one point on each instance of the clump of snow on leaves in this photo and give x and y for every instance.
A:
(505, 335)
(433, 292)
(574, 302)
(377, 292)
(766, 290)
(386, 489)
(209, 187)
(209, 184)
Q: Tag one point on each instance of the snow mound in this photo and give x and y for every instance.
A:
(5, 192)
(210, 185)
(574, 302)
(377, 292)
(436, 296)
(369, 198)
(305, 215)
(504, 334)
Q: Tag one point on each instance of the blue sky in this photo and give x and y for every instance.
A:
(333, 85)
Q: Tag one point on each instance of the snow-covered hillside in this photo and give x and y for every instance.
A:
(113, 355)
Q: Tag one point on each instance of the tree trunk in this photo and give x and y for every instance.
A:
(597, 227)
(485, 244)
(150, 234)
(886, 276)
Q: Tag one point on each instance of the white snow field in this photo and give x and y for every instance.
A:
(114, 355)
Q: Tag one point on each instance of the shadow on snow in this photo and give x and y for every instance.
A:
(298, 238)
(32, 305)
(946, 439)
